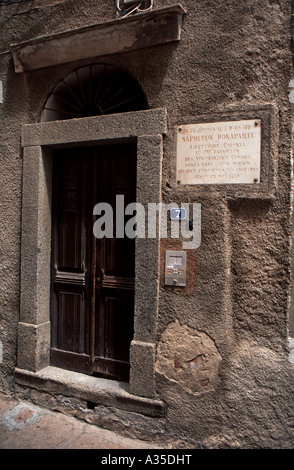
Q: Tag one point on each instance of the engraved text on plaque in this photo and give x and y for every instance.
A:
(219, 152)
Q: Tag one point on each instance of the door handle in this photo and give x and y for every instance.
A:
(98, 283)
(99, 280)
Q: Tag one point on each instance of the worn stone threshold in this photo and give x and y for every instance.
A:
(98, 391)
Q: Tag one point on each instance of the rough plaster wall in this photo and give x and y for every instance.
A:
(240, 297)
(257, 242)
(188, 357)
(10, 201)
(232, 55)
(253, 406)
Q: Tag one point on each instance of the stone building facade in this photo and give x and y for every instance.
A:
(206, 110)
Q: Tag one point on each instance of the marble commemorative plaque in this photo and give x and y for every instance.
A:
(225, 152)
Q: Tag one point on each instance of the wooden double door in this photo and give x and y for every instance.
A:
(92, 279)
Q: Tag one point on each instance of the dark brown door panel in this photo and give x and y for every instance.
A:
(92, 291)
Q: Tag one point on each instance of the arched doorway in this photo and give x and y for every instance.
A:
(92, 280)
(94, 90)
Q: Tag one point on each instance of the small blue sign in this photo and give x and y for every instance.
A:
(178, 213)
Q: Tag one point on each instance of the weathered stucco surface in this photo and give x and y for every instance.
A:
(188, 357)
(234, 60)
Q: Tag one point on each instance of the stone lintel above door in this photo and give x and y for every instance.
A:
(135, 32)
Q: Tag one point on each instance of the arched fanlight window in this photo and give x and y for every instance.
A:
(94, 90)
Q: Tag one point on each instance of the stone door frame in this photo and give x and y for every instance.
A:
(147, 128)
